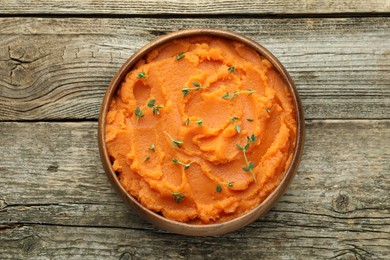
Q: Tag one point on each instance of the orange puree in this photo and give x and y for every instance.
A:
(201, 130)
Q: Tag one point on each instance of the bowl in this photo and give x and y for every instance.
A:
(201, 229)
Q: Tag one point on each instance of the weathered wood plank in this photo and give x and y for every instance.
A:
(60, 68)
(57, 200)
(265, 242)
(155, 7)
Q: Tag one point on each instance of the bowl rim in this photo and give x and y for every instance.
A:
(202, 229)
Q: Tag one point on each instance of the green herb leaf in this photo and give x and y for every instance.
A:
(187, 121)
(246, 169)
(253, 138)
(199, 122)
(180, 56)
(232, 69)
(268, 110)
(251, 91)
(249, 119)
(230, 184)
(238, 129)
(186, 165)
(176, 143)
(239, 147)
(152, 148)
(218, 188)
(151, 102)
(147, 158)
(234, 118)
(250, 167)
(177, 197)
(185, 91)
(139, 114)
(156, 110)
(197, 85)
(227, 95)
(235, 93)
(141, 75)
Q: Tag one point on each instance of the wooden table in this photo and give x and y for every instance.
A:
(57, 58)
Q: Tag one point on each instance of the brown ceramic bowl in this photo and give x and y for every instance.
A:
(206, 229)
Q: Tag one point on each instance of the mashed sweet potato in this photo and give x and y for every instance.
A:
(201, 130)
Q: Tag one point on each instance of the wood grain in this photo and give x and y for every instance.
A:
(59, 69)
(58, 201)
(187, 7)
(57, 58)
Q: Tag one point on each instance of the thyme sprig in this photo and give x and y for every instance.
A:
(249, 165)
(180, 56)
(186, 165)
(176, 143)
(177, 197)
(234, 118)
(236, 93)
(156, 109)
(141, 75)
(251, 139)
(232, 69)
(196, 87)
(139, 114)
(199, 122)
(151, 103)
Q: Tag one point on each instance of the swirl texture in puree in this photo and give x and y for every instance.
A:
(212, 102)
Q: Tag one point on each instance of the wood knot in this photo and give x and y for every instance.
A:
(353, 253)
(126, 256)
(347, 256)
(342, 203)
(53, 167)
(31, 244)
(3, 204)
